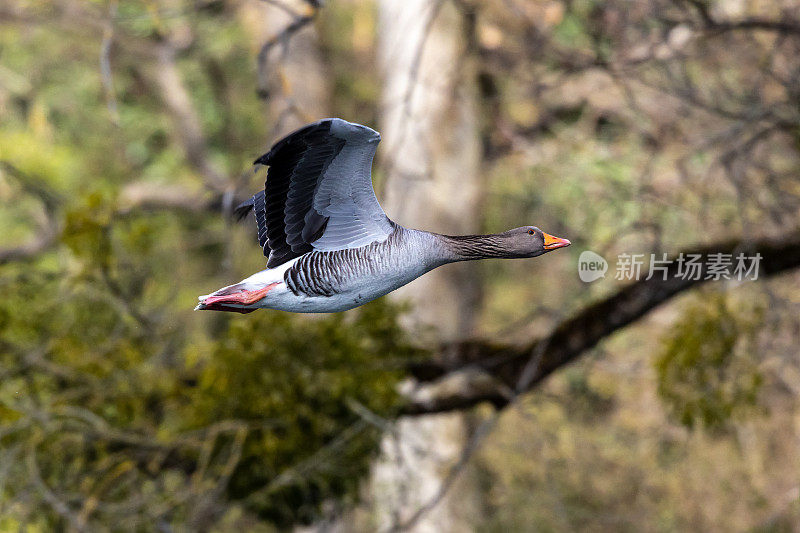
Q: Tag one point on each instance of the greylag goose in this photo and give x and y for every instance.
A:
(329, 245)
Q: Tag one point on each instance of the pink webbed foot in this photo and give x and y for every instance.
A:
(218, 300)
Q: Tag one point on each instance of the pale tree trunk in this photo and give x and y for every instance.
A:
(432, 152)
(431, 160)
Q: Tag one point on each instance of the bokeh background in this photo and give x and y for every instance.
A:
(127, 128)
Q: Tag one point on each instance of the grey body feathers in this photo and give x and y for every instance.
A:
(371, 270)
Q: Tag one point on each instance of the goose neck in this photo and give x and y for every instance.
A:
(472, 247)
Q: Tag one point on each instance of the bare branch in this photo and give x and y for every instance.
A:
(146, 196)
(138, 197)
(105, 64)
(780, 26)
(186, 121)
(47, 227)
(299, 21)
(41, 242)
(57, 503)
(578, 334)
(713, 25)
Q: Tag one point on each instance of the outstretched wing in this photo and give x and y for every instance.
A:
(318, 194)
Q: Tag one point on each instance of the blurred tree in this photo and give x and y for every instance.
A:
(119, 406)
(431, 179)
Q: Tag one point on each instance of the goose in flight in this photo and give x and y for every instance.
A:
(329, 245)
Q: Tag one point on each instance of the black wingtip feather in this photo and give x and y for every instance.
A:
(322, 126)
(296, 163)
(243, 210)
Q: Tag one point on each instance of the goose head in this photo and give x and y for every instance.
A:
(529, 241)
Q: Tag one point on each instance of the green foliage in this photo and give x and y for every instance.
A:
(87, 228)
(302, 378)
(116, 399)
(707, 372)
(581, 399)
(121, 408)
(94, 391)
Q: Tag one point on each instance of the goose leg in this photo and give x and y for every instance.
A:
(243, 297)
(220, 307)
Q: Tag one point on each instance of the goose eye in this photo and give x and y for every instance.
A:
(531, 232)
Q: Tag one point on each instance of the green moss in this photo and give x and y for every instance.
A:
(707, 371)
(300, 378)
(104, 369)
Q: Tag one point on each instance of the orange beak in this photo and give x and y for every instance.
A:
(551, 243)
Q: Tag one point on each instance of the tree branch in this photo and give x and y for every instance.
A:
(298, 22)
(41, 242)
(48, 229)
(188, 129)
(780, 26)
(785, 25)
(504, 364)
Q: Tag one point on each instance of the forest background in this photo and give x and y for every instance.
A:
(504, 395)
